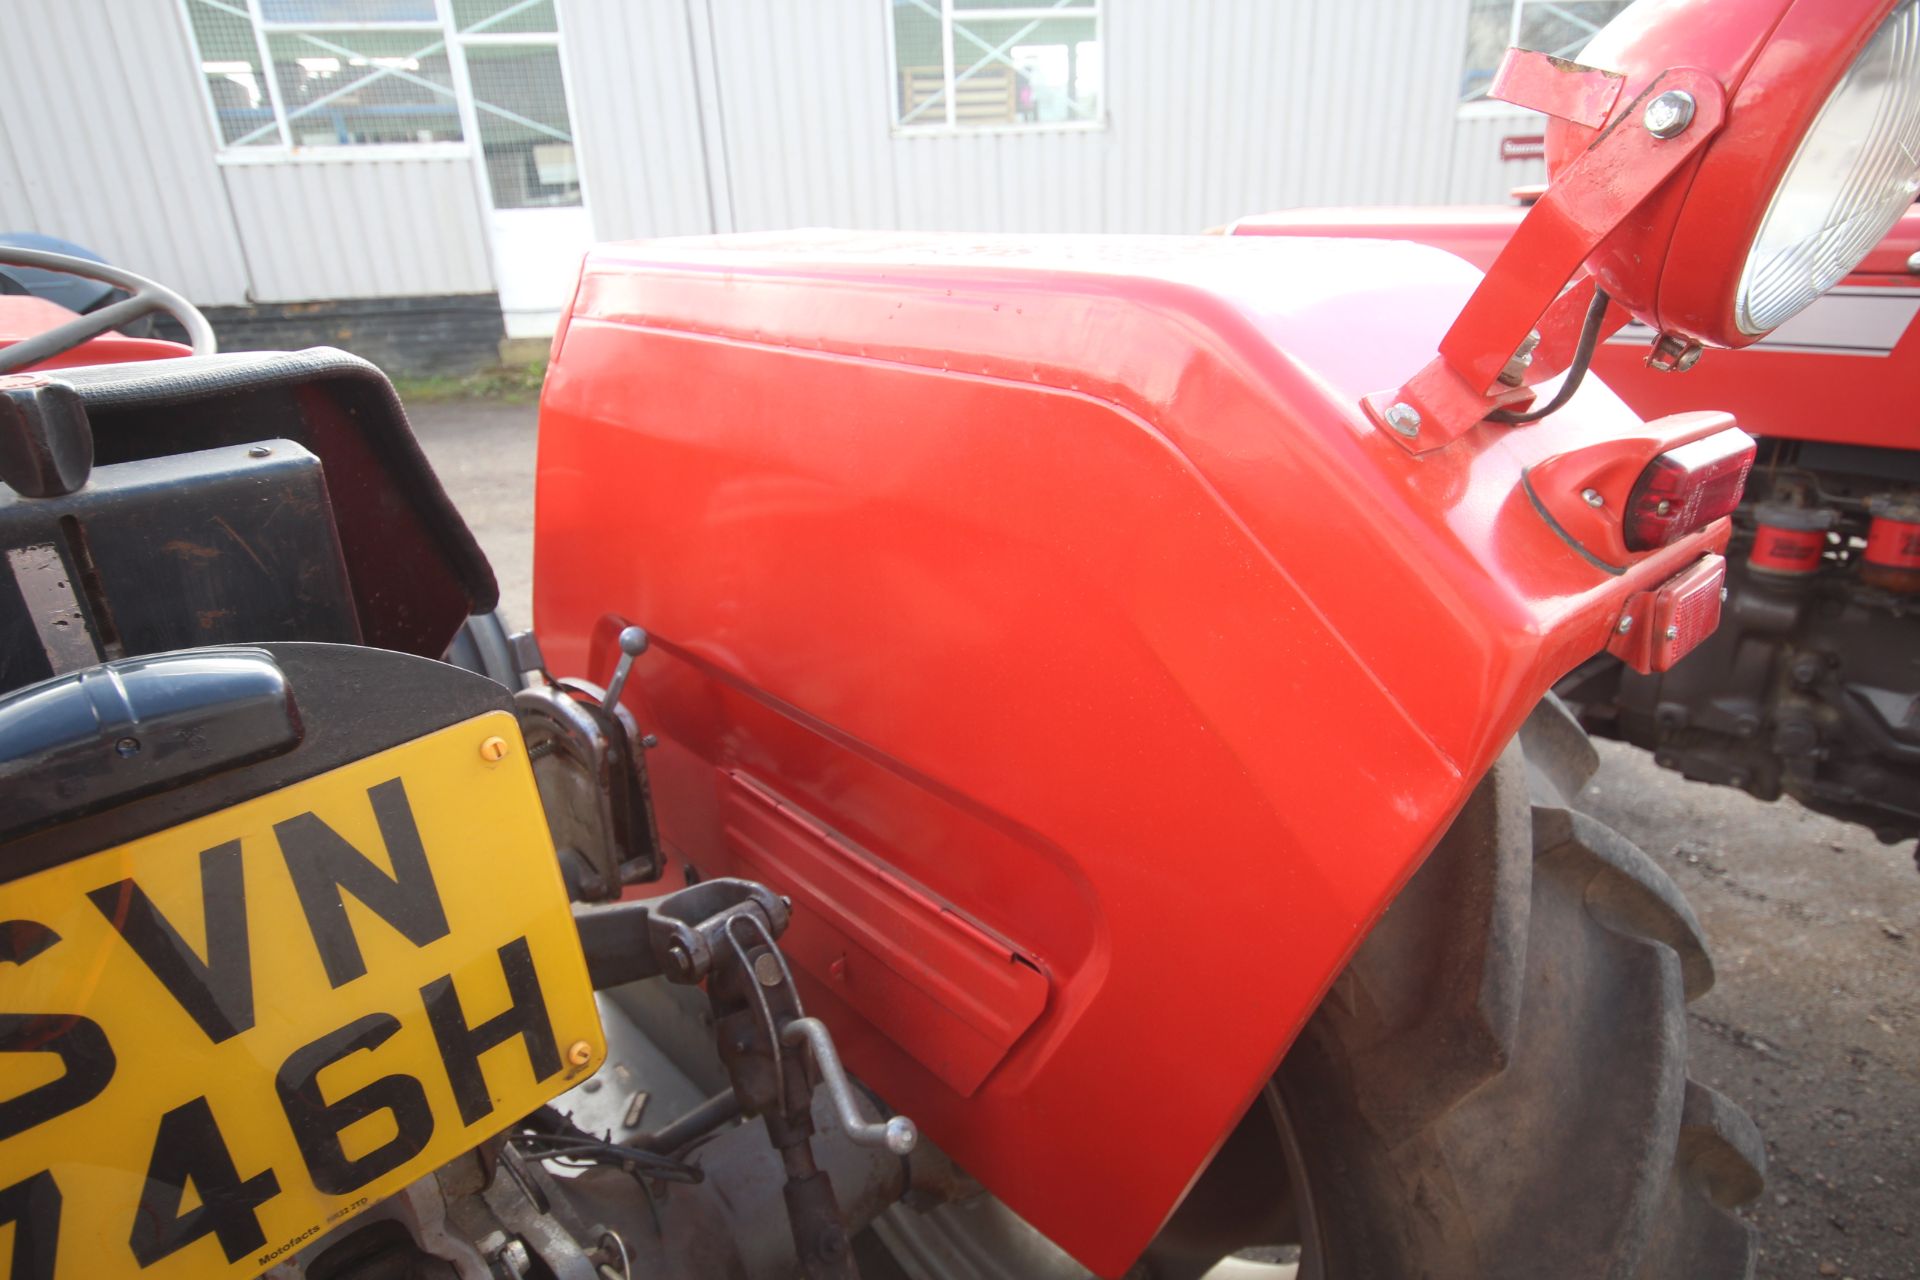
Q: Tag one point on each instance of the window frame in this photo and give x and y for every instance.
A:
(1007, 10)
(1484, 107)
(450, 39)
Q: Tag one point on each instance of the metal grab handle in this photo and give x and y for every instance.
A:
(897, 1135)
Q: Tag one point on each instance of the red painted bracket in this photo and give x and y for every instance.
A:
(1583, 205)
(1556, 87)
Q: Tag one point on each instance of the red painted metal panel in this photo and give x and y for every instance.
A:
(1063, 579)
(930, 981)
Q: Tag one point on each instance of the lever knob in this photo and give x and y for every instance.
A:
(633, 643)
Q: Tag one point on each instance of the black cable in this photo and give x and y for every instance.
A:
(1576, 372)
(555, 1146)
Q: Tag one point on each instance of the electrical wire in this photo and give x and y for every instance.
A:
(568, 1146)
(1576, 372)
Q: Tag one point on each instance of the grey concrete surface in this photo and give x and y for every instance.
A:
(1813, 1026)
(484, 454)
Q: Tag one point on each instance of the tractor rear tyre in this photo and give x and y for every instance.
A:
(1496, 1086)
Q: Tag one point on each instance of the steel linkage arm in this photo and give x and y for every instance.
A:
(723, 932)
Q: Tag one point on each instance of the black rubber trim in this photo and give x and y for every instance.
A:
(353, 701)
(417, 570)
(1526, 484)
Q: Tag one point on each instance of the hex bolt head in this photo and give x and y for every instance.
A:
(1626, 624)
(1668, 115)
(1403, 418)
(1592, 498)
(1673, 633)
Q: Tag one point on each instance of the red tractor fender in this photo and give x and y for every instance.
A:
(1046, 618)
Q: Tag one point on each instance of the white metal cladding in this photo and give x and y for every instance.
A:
(703, 115)
(638, 115)
(104, 141)
(1215, 108)
(360, 228)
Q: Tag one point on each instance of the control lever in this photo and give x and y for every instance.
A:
(722, 933)
(897, 1135)
(633, 643)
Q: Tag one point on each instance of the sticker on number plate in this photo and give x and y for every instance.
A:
(218, 1041)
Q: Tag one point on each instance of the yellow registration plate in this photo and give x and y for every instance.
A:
(218, 1041)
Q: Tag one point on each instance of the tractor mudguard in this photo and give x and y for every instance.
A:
(1045, 617)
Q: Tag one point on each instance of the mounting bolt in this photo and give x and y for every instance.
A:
(677, 956)
(259, 451)
(1668, 115)
(579, 1053)
(1403, 418)
(494, 749)
(1593, 498)
(1672, 633)
(1515, 372)
(127, 748)
(766, 969)
(1626, 623)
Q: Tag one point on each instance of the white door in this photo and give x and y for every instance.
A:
(515, 100)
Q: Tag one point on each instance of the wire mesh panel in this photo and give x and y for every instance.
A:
(230, 61)
(333, 11)
(1012, 65)
(362, 73)
(360, 88)
(520, 104)
(504, 17)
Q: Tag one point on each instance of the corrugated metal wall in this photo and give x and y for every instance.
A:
(383, 228)
(1216, 108)
(102, 119)
(698, 115)
(104, 140)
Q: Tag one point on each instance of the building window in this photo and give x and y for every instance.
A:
(1559, 27)
(994, 64)
(294, 77)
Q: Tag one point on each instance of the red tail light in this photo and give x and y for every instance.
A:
(1687, 488)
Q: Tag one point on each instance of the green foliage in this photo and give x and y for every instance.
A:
(507, 384)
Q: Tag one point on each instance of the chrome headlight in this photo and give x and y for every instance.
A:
(1855, 173)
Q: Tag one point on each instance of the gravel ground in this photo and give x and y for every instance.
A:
(1814, 1025)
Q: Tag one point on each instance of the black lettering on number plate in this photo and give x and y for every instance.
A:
(190, 1149)
(216, 992)
(317, 1123)
(462, 1045)
(32, 1205)
(323, 864)
(86, 1058)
